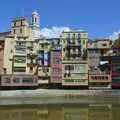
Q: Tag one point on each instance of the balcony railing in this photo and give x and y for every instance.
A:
(31, 55)
(73, 45)
(20, 46)
(20, 53)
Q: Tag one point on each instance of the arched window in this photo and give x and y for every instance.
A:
(35, 19)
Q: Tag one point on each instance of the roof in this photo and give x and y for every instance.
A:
(102, 39)
(4, 33)
(19, 18)
(74, 32)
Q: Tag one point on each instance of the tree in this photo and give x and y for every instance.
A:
(116, 43)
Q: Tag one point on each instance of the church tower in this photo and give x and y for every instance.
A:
(35, 24)
(35, 21)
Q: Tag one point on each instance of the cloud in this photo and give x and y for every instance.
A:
(115, 35)
(54, 32)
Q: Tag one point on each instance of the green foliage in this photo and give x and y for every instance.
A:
(116, 43)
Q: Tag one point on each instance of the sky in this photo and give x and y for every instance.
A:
(100, 18)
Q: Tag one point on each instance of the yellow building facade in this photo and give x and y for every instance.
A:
(74, 59)
(17, 48)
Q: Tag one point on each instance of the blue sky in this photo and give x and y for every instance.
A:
(99, 17)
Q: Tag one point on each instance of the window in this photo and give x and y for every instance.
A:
(104, 45)
(21, 23)
(16, 80)
(21, 30)
(116, 68)
(116, 79)
(83, 41)
(110, 43)
(66, 67)
(69, 75)
(20, 51)
(19, 59)
(78, 36)
(27, 80)
(19, 69)
(11, 51)
(69, 67)
(14, 31)
(45, 70)
(32, 20)
(106, 77)
(31, 69)
(103, 77)
(42, 45)
(92, 77)
(7, 79)
(35, 19)
(35, 79)
(4, 70)
(95, 77)
(14, 24)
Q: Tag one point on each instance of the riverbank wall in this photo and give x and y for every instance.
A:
(63, 97)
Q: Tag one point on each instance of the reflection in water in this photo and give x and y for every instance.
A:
(100, 112)
(79, 112)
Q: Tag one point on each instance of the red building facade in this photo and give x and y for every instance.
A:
(56, 67)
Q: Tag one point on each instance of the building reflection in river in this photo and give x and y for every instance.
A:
(80, 112)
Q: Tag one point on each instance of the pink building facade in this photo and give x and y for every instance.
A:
(19, 81)
(56, 67)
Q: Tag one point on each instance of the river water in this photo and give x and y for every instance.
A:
(61, 112)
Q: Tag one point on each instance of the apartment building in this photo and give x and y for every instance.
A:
(2, 44)
(115, 69)
(112, 63)
(74, 59)
(44, 69)
(20, 52)
(56, 64)
(102, 44)
(99, 78)
(15, 55)
(97, 48)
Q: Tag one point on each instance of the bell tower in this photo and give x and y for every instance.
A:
(35, 21)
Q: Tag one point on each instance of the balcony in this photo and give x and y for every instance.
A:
(30, 45)
(79, 76)
(76, 82)
(31, 55)
(74, 55)
(19, 64)
(43, 81)
(70, 45)
(32, 63)
(74, 61)
(100, 78)
(20, 53)
(20, 46)
(43, 74)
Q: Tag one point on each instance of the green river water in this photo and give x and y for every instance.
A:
(61, 112)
